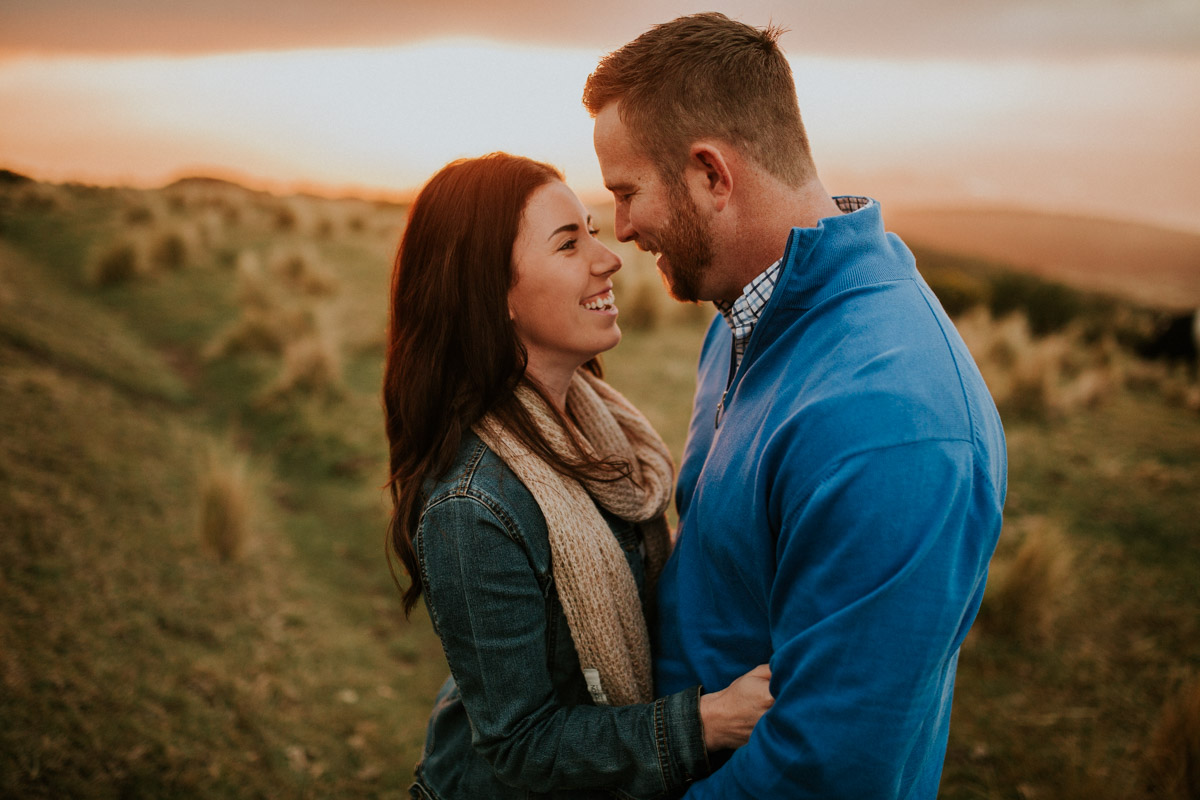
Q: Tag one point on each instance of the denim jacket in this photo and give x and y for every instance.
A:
(515, 719)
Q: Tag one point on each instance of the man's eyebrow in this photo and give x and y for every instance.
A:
(618, 187)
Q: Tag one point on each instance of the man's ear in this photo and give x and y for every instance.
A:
(709, 163)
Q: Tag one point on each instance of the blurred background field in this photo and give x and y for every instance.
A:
(194, 598)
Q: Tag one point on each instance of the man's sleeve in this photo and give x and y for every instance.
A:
(881, 567)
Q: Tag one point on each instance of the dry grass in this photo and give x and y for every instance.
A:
(284, 310)
(169, 251)
(312, 364)
(1173, 758)
(1026, 591)
(134, 663)
(300, 271)
(269, 318)
(1039, 378)
(225, 503)
(116, 263)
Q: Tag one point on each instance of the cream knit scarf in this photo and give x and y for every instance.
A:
(595, 585)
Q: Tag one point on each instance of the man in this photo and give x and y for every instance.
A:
(841, 491)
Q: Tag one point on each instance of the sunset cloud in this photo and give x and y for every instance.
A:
(860, 28)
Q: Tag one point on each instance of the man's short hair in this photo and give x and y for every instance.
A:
(706, 76)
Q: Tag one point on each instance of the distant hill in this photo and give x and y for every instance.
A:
(1155, 266)
(204, 181)
(7, 176)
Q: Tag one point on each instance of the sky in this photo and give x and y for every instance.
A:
(1085, 106)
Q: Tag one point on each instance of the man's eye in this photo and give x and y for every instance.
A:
(594, 231)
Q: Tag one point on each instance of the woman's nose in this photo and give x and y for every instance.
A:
(607, 262)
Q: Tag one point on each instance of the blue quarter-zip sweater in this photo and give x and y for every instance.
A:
(836, 520)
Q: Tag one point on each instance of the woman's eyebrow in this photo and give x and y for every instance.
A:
(572, 227)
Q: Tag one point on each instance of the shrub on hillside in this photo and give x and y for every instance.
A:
(224, 504)
(1173, 757)
(300, 272)
(268, 318)
(283, 218)
(312, 365)
(262, 329)
(116, 263)
(39, 198)
(957, 291)
(169, 251)
(1049, 307)
(1025, 592)
(139, 214)
(1038, 378)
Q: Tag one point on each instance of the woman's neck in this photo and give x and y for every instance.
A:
(554, 382)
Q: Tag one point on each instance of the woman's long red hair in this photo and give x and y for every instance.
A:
(452, 351)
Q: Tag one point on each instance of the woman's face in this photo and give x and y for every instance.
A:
(562, 304)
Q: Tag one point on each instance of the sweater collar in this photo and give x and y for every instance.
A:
(842, 261)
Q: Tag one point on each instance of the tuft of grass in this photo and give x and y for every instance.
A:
(169, 251)
(1039, 378)
(1048, 306)
(312, 364)
(301, 272)
(225, 503)
(139, 214)
(1026, 591)
(117, 263)
(1173, 757)
(269, 319)
(283, 218)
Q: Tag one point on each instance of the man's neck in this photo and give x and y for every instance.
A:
(765, 220)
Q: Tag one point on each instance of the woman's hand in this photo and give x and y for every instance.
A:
(729, 715)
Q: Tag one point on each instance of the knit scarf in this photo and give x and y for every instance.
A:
(595, 586)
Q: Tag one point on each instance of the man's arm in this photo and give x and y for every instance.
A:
(881, 567)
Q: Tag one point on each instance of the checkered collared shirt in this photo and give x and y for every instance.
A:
(742, 314)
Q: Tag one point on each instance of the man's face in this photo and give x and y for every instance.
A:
(659, 216)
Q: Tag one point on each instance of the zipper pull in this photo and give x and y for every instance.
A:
(720, 410)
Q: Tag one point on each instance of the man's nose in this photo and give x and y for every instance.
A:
(622, 228)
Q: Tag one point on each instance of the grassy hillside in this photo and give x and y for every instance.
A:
(1155, 266)
(136, 662)
(204, 358)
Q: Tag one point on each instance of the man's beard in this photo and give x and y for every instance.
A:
(687, 244)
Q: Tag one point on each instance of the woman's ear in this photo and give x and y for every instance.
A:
(711, 172)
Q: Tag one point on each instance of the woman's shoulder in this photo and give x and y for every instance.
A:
(479, 477)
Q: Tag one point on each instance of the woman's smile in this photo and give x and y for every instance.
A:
(603, 302)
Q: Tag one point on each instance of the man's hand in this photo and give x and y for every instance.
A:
(728, 716)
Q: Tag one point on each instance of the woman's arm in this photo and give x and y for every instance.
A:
(490, 612)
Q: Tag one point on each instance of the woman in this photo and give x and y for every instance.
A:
(528, 503)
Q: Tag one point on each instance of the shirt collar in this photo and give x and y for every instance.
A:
(743, 313)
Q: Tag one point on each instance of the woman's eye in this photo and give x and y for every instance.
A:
(594, 231)
(569, 244)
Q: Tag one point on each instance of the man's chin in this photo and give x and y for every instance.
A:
(681, 291)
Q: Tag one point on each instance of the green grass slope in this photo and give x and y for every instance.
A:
(135, 662)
